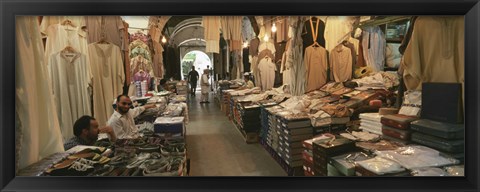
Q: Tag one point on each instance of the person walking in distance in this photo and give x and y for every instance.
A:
(192, 79)
(205, 86)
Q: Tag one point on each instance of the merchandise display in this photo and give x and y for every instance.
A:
(323, 95)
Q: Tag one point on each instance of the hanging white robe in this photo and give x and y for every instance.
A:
(71, 78)
(267, 69)
(34, 102)
(108, 77)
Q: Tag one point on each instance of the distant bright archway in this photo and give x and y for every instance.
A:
(198, 59)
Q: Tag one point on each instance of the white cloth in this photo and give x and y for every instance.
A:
(211, 25)
(124, 125)
(71, 78)
(59, 37)
(205, 84)
(337, 28)
(78, 21)
(267, 73)
(34, 102)
(373, 43)
(108, 77)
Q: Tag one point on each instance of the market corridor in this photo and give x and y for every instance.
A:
(217, 148)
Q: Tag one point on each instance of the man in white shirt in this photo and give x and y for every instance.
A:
(122, 118)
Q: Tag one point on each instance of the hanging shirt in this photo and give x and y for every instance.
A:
(236, 31)
(38, 119)
(211, 25)
(337, 28)
(341, 63)
(78, 21)
(124, 125)
(71, 78)
(140, 51)
(108, 77)
(307, 35)
(59, 37)
(267, 68)
(373, 44)
(435, 52)
(316, 65)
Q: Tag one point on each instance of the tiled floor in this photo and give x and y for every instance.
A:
(217, 148)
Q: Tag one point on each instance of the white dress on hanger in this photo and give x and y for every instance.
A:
(34, 102)
(108, 77)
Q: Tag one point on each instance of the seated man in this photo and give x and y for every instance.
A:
(122, 119)
(248, 82)
(163, 86)
(86, 132)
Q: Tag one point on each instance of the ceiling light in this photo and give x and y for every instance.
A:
(245, 44)
(164, 40)
(274, 28)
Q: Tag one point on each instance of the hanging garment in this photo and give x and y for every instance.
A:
(58, 37)
(245, 61)
(224, 22)
(157, 63)
(256, 72)
(140, 63)
(71, 78)
(41, 135)
(247, 30)
(145, 53)
(435, 52)
(282, 30)
(373, 42)
(211, 25)
(295, 57)
(307, 36)
(110, 26)
(316, 65)
(337, 29)
(78, 21)
(108, 77)
(267, 68)
(126, 54)
(341, 63)
(236, 31)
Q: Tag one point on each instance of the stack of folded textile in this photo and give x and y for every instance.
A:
(371, 122)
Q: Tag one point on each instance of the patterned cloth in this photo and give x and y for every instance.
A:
(74, 141)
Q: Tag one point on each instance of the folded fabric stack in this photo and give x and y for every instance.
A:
(371, 122)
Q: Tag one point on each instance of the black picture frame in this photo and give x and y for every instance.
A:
(9, 9)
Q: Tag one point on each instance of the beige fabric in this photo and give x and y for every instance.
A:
(78, 21)
(236, 31)
(71, 78)
(157, 63)
(316, 66)
(341, 63)
(267, 69)
(336, 27)
(211, 25)
(435, 52)
(59, 37)
(113, 29)
(108, 77)
(33, 102)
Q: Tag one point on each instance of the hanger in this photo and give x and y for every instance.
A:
(314, 32)
(68, 22)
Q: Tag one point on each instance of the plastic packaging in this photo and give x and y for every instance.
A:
(381, 166)
(429, 171)
(415, 156)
